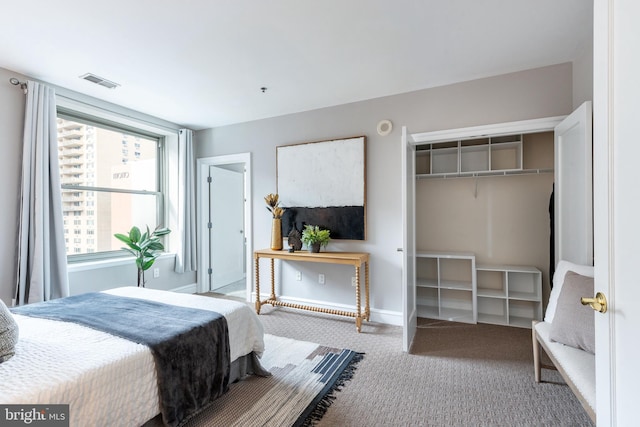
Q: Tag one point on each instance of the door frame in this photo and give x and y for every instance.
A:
(203, 165)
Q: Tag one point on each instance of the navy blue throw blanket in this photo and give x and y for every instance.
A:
(190, 346)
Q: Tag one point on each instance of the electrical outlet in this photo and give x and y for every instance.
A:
(298, 276)
(156, 273)
(321, 279)
(353, 282)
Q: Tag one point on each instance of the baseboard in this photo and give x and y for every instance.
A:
(186, 289)
(386, 317)
(376, 315)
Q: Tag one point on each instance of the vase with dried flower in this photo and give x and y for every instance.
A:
(273, 202)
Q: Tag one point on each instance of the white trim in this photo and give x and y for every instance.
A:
(112, 112)
(603, 210)
(497, 129)
(376, 315)
(203, 165)
(164, 130)
(574, 195)
(408, 186)
(186, 289)
(75, 267)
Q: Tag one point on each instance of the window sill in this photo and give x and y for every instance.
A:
(108, 263)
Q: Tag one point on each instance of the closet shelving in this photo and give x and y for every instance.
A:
(509, 295)
(501, 155)
(446, 286)
(451, 286)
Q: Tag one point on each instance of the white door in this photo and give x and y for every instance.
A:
(226, 210)
(573, 188)
(408, 242)
(617, 208)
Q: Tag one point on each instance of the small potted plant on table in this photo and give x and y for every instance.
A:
(315, 238)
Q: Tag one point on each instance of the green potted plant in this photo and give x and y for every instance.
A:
(145, 247)
(315, 238)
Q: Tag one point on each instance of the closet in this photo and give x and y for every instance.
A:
(485, 201)
(476, 207)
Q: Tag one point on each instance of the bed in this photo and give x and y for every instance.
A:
(107, 380)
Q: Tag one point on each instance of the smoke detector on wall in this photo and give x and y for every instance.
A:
(384, 127)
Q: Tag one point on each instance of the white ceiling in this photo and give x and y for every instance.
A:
(201, 63)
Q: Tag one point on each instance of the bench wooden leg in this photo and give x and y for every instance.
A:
(536, 352)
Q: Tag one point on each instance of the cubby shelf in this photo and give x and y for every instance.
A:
(446, 286)
(509, 295)
(450, 286)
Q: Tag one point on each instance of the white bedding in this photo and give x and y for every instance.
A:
(106, 380)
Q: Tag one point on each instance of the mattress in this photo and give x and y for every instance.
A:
(106, 380)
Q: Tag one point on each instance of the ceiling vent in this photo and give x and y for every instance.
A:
(99, 81)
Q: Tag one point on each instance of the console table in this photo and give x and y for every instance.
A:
(357, 259)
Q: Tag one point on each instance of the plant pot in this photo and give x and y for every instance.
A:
(314, 247)
(276, 234)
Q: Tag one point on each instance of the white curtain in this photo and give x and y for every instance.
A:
(186, 259)
(42, 259)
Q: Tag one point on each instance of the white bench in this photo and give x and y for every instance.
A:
(577, 367)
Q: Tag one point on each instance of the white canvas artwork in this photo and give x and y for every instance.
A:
(323, 183)
(324, 174)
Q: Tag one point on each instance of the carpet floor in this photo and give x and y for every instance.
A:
(455, 375)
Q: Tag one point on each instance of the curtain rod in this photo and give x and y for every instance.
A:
(17, 82)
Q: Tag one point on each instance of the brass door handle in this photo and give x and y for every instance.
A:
(599, 303)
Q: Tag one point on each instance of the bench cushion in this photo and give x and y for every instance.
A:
(579, 365)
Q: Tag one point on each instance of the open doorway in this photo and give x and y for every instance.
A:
(224, 223)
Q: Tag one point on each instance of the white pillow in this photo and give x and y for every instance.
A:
(8, 333)
(558, 280)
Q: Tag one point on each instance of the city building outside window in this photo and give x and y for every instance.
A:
(100, 182)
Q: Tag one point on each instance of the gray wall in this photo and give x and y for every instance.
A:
(537, 93)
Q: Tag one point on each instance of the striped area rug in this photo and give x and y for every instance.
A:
(305, 379)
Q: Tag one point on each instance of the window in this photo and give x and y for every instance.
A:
(115, 194)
